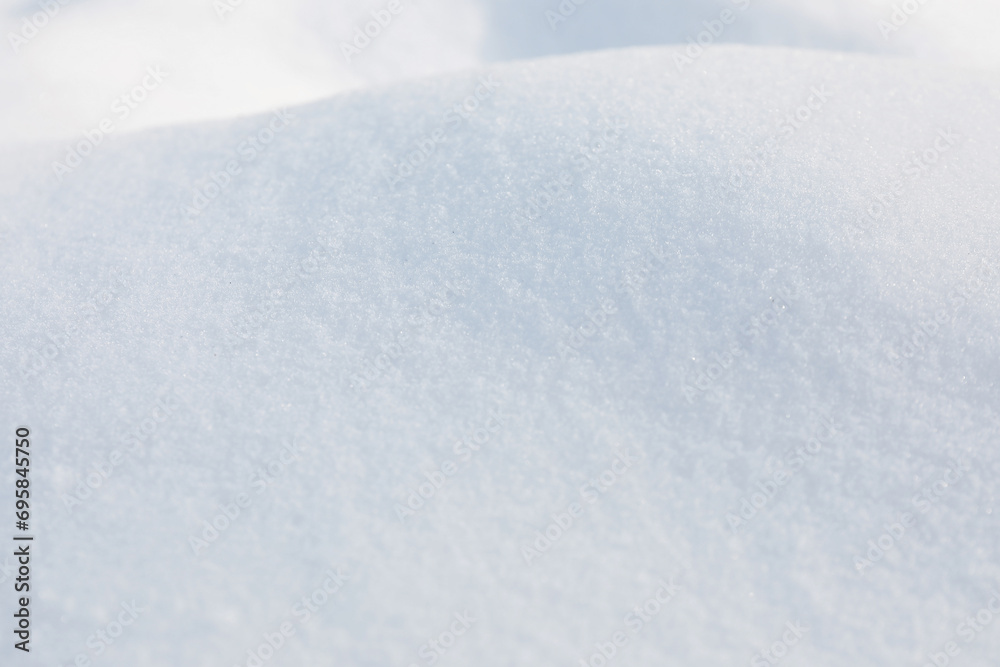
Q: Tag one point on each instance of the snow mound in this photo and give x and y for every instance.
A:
(639, 357)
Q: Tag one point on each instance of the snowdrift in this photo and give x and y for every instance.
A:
(653, 356)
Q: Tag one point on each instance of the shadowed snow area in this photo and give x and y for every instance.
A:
(619, 321)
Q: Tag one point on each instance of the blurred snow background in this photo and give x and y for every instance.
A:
(230, 59)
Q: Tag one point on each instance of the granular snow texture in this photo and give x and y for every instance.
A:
(722, 332)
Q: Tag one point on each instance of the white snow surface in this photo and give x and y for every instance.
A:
(237, 57)
(376, 326)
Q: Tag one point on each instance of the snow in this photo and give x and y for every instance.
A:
(237, 57)
(586, 280)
